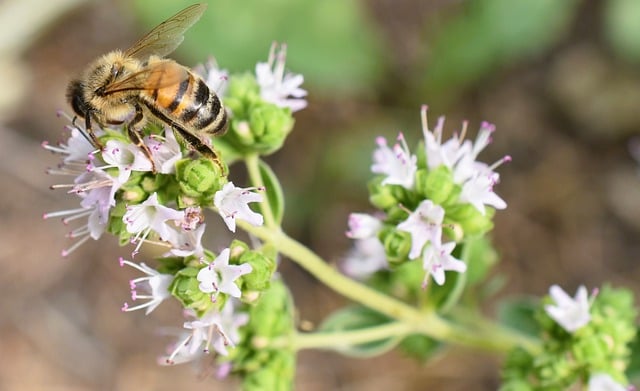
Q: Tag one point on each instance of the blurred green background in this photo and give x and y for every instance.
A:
(560, 79)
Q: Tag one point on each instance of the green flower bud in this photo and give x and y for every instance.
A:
(198, 180)
(170, 265)
(277, 373)
(470, 219)
(185, 288)
(396, 214)
(263, 269)
(272, 315)
(256, 126)
(263, 131)
(133, 194)
(242, 94)
(262, 366)
(262, 266)
(592, 350)
(397, 244)
(437, 185)
(556, 370)
(567, 358)
(156, 183)
(116, 226)
(382, 197)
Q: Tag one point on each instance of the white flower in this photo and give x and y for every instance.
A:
(185, 243)
(165, 153)
(398, 163)
(365, 258)
(215, 329)
(184, 350)
(213, 76)
(604, 382)
(155, 284)
(476, 178)
(219, 276)
(478, 192)
(226, 324)
(571, 314)
(150, 216)
(76, 150)
(97, 190)
(424, 225)
(126, 157)
(233, 203)
(437, 153)
(362, 226)
(437, 259)
(277, 87)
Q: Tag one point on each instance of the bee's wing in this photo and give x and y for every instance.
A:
(168, 35)
(159, 74)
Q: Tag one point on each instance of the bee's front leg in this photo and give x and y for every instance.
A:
(135, 134)
(88, 132)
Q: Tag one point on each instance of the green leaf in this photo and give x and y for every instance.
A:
(420, 347)
(480, 256)
(359, 318)
(519, 314)
(275, 196)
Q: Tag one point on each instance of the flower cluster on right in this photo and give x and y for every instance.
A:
(429, 201)
(585, 340)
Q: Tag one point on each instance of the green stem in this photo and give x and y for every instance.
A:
(426, 323)
(252, 162)
(338, 339)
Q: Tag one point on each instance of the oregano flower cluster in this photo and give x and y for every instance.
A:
(417, 271)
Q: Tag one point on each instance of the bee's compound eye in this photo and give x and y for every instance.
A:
(76, 98)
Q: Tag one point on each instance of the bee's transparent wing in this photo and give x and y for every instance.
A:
(168, 35)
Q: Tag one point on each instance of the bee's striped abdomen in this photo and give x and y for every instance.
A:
(192, 104)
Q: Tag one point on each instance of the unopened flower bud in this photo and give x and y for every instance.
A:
(263, 131)
(263, 268)
(185, 288)
(397, 244)
(381, 196)
(199, 179)
(470, 220)
(436, 185)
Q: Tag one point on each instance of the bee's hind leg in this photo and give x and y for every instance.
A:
(200, 146)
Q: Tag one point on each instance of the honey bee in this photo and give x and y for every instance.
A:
(139, 85)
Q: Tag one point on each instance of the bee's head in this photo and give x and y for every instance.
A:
(75, 96)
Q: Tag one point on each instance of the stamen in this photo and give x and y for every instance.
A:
(463, 132)
(77, 244)
(505, 159)
(179, 347)
(63, 213)
(86, 212)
